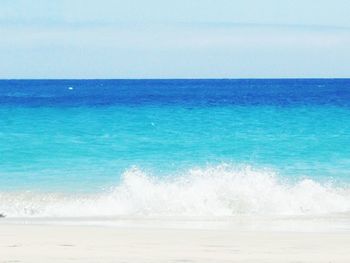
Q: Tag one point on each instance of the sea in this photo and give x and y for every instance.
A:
(212, 148)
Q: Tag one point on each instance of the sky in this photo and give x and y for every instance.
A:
(174, 39)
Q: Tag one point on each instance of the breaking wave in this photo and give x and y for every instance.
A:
(213, 191)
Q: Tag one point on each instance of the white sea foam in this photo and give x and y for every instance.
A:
(213, 191)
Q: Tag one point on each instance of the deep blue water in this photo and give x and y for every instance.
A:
(184, 93)
(81, 135)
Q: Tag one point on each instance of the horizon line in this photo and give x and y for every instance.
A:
(255, 78)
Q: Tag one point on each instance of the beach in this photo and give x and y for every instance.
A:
(59, 243)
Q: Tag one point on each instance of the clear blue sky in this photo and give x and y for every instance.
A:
(174, 39)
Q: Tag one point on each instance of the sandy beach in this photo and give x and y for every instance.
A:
(58, 243)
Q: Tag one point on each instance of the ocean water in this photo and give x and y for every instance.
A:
(82, 148)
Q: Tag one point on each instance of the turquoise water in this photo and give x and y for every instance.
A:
(87, 149)
(87, 137)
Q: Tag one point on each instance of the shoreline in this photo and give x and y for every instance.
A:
(335, 222)
(154, 242)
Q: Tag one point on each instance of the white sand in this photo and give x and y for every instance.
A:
(50, 243)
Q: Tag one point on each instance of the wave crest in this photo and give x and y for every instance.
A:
(213, 191)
